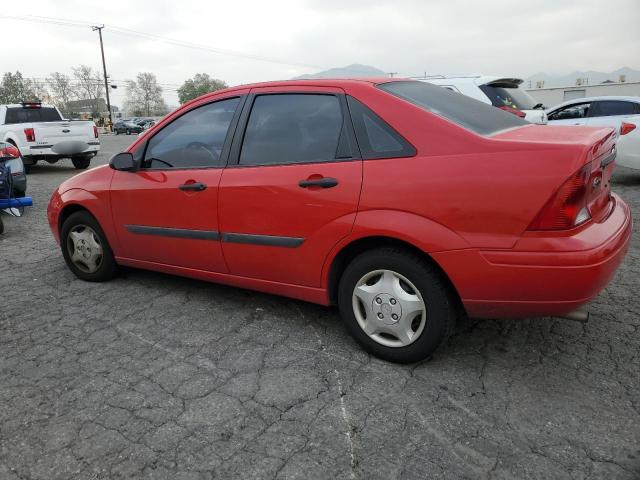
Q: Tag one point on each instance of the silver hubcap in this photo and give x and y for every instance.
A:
(84, 248)
(389, 308)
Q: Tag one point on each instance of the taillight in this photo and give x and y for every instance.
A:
(30, 134)
(567, 208)
(16, 174)
(95, 131)
(626, 128)
(515, 111)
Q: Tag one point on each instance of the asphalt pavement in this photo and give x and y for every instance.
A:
(155, 376)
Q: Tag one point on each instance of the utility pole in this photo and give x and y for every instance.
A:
(104, 70)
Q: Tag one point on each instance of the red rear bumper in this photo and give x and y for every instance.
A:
(541, 275)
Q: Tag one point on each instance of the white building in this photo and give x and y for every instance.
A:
(551, 96)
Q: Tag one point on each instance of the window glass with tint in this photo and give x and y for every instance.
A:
(510, 96)
(609, 108)
(376, 138)
(31, 115)
(464, 111)
(574, 111)
(292, 128)
(193, 140)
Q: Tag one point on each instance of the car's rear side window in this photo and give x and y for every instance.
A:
(471, 114)
(607, 108)
(31, 115)
(292, 128)
(376, 138)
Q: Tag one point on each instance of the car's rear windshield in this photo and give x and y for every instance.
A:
(511, 96)
(471, 114)
(29, 115)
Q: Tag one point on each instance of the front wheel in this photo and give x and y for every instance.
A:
(128, 132)
(396, 305)
(81, 163)
(85, 248)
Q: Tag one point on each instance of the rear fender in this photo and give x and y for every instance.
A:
(423, 233)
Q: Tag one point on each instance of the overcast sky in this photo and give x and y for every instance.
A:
(515, 38)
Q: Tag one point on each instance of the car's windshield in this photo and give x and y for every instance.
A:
(455, 107)
(510, 96)
(29, 115)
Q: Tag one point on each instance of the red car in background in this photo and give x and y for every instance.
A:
(403, 203)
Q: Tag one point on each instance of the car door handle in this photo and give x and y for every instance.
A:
(324, 182)
(195, 186)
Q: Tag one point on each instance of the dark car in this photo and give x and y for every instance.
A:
(126, 127)
(11, 157)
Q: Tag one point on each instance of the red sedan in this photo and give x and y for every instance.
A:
(403, 203)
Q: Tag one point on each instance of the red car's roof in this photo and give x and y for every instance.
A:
(317, 82)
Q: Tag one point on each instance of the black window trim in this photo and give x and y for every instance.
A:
(226, 147)
(241, 129)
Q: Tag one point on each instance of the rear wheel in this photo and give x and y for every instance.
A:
(85, 248)
(81, 163)
(396, 305)
(128, 132)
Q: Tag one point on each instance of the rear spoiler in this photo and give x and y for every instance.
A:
(505, 82)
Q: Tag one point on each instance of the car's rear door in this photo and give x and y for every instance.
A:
(291, 189)
(611, 113)
(167, 211)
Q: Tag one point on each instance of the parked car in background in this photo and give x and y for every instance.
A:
(621, 113)
(401, 202)
(126, 127)
(19, 178)
(146, 123)
(503, 93)
(40, 133)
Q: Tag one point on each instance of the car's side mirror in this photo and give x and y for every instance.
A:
(124, 162)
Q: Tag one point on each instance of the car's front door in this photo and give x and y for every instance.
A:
(291, 189)
(166, 212)
(575, 114)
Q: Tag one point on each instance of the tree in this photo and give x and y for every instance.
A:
(15, 88)
(144, 96)
(61, 90)
(89, 87)
(200, 84)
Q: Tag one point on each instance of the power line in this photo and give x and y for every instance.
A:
(160, 38)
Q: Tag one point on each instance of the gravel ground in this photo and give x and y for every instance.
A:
(153, 376)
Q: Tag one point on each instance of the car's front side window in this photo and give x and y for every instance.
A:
(573, 111)
(292, 128)
(195, 139)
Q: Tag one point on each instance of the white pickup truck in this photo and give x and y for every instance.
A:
(40, 133)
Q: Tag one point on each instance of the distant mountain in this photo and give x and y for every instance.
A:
(350, 71)
(593, 77)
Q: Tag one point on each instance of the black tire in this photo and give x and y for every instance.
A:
(1, 226)
(27, 169)
(128, 132)
(441, 306)
(19, 194)
(108, 268)
(81, 163)
(116, 132)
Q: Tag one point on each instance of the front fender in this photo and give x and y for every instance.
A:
(96, 203)
(423, 233)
